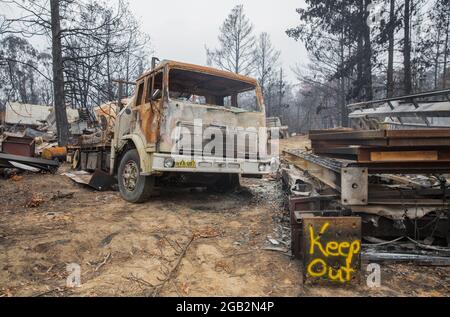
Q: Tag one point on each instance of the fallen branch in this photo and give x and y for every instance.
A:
(174, 269)
(275, 249)
(104, 262)
(138, 280)
(60, 195)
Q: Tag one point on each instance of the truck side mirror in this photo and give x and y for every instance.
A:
(156, 94)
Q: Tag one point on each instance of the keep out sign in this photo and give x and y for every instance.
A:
(331, 249)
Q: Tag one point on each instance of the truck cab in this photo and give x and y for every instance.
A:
(189, 123)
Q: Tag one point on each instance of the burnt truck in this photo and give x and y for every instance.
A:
(186, 124)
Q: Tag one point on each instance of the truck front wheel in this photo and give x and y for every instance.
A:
(133, 186)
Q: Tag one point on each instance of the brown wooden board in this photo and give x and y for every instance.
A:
(384, 156)
(331, 250)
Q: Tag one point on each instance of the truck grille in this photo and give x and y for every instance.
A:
(246, 147)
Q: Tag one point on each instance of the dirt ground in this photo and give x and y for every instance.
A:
(48, 222)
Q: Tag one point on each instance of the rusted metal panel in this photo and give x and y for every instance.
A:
(406, 167)
(399, 138)
(310, 203)
(98, 180)
(418, 133)
(331, 249)
(354, 135)
(19, 146)
(93, 161)
(10, 160)
(102, 181)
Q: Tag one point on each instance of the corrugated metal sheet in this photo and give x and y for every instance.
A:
(72, 116)
(18, 113)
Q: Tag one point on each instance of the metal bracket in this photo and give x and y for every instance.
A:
(354, 186)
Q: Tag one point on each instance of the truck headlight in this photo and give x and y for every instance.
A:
(262, 167)
(169, 162)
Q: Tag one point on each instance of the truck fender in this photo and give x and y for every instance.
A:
(145, 158)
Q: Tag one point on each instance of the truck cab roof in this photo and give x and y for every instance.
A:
(201, 69)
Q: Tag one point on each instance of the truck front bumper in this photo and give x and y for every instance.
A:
(193, 164)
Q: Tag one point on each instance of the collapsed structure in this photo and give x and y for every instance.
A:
(385, 178)
(395, 180)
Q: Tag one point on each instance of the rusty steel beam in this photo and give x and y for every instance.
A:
(350, 181)
(329, 175)
(405, 167)
(353, 135)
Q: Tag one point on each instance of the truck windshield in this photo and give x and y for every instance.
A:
(207, 89)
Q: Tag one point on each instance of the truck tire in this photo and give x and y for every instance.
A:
(133, 186)
(227, 183)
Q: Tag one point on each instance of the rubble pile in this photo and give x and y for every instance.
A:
(28, 138)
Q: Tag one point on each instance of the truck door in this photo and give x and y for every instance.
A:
(150, 109)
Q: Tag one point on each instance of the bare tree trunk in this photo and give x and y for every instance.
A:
(368, 91)
(62, 125)
(344, 115)
(359, 83)
(446, 50)
(280, 94)
(436, 59)
(108, 65)
(390, 70)
(407, 49)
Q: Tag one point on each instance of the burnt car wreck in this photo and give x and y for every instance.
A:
(185, 122)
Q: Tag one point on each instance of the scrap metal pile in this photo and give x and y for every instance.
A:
(28, 136)
(396, 181)
(399, 174)
(20, 153)
(384, 150)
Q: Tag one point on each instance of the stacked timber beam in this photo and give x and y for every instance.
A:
(427, 150)
(367, 170)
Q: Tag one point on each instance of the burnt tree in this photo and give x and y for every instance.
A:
(58, 76)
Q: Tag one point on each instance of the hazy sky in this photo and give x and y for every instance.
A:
(180, 29)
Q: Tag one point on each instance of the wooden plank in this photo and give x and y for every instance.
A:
(331, 249)
(404, 156)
